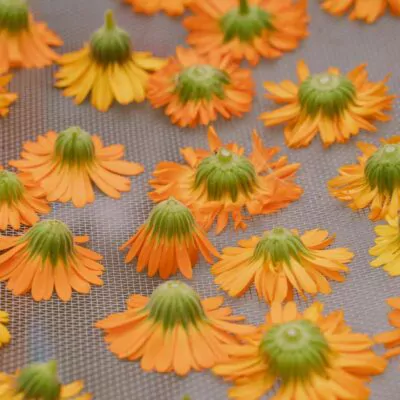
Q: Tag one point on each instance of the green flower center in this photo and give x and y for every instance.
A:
(382, 169)
(39, 382)
(74, 147)
(11, 188)
(110, 44)
(326, 93)
(201, 82)
(245, 22)
(280, 245)
(51, 240)
(175, 303)
(14, 15)
(225, 174)
(295, 350)
(171, 219)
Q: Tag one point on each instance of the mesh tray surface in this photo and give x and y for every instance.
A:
(65, 331)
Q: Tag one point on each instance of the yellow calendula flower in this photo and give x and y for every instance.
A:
(5, 336)
(6, 98)
(39, 381)
(107, 68)
(374, 182)
(313, 357)
(335, 105)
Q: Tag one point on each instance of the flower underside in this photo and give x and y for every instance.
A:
(14, 15)
(11, 188)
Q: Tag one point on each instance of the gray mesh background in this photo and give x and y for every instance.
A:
(64, 331)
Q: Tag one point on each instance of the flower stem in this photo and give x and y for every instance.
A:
(109, 20)
(244, 7)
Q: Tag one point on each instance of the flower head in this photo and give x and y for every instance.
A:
(313, 356)
(108, 68)
(368, 11)
(6, 98)
(5, 336)
(171, 7)
(334, 105)
(24, 42)
(391, 339)
(222, 181)
(21, 199)
(196, 88)
(40, 381)
(169, 240)
(247, 29)
(373, 182)
(173, 330)
(66, 164)
(281, 262)
(47, 258)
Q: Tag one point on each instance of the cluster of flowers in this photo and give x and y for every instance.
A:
(174, 330)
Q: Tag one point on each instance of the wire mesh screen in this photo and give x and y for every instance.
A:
(65, 331)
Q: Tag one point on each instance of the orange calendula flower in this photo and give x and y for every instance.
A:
(312, 355)
(6, 98)
(171, 7)
(280, 262)
(374, 182)
(24, 43)
(391, 340)
(107, 68)
(368, 11)
(173, 330)
(247, 29)
(5, 336)
(21, 199)
(47, 258)
(169, 240)
(66, 164)
(196, 88)
(222, 181)
(40, 381)
(334, 105)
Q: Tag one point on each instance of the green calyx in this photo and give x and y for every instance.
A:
(14, 15)
(279, 246)
(225, 174)
(326, 93)
(171, 219)
(382, 169)
(245, 22)
(110, 44)
(201, 82)
(74, 147)
(39, 381)
(52, 241)
(11, 188)
(295, 350)
(175, 303)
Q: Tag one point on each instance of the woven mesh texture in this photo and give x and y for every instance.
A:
(65, 331)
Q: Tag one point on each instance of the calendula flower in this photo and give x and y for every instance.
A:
(334, 105)
(5, 336)
(391, 340)
(222, 181)
(368, 11)
(21, 199)
(171, 7)
(67, 164)
(24, 43)
(6, 98)
(107, 68)
(47, 258)
(247, 29)
(40, 381)
(313, 357)
(196, 88)
(169, 240)
(280, 262)
(374, 182)
(173, 330)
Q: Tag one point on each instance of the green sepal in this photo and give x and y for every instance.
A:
(14, 15)
(11, 188)
(39, 381)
